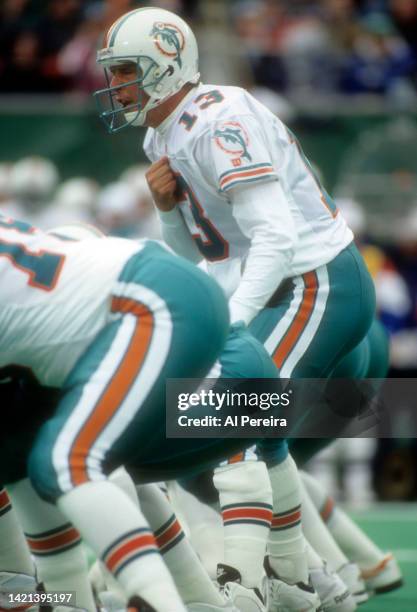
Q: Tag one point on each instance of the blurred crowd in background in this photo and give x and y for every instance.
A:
(290, 54)
(290, 46)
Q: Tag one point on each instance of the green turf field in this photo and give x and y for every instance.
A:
(394, 528)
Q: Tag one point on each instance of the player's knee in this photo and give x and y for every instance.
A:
(247, 480)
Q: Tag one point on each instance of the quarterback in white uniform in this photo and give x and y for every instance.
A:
(234, 188)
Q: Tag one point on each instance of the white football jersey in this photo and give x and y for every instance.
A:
(54, 297)
(221, 138)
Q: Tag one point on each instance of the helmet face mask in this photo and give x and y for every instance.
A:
(161, 50)
(115, 115)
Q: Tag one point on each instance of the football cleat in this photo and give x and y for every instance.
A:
(235, 594)
(384, 577)
(13, 583)
(333, 593)
(285, 597)
(351, 576)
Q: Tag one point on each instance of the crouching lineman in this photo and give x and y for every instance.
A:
(107, 321)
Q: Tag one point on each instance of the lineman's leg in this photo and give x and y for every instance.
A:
(246, 505)
(55, 544)
(242, 482)
(352, 540)
(164, 312)
(192, 580)
(17, 571)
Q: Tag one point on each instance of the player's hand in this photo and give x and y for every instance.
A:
(163, 184)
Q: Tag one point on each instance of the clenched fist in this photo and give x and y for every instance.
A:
(163, 184)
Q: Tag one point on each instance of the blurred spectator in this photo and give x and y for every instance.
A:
(402, 319)
(57, 26)
(304, 47)
(13, 18)
(404, 16)
(255, 23)
(378, 60)
(220, 56)
(77, 59)
(23, 72)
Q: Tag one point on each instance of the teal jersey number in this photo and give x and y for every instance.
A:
(42, 267)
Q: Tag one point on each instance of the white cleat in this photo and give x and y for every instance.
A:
(236, 595)
(244, 599)
(333, 593)
(284, 597)
(384, 577)
(351, 576)
(12, 583)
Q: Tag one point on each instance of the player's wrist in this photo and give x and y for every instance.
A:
(165, 205)
(170, 217)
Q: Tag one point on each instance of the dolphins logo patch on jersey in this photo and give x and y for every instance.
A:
(231, 138)
(169, 40)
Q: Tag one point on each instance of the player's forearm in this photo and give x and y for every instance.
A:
(176, 235)
(263, 273)
(263, 214)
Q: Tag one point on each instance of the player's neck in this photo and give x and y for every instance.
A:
(170, 108)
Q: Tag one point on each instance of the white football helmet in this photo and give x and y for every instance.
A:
(164, 50)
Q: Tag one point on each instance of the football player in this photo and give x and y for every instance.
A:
(233, 187)
(106, 321)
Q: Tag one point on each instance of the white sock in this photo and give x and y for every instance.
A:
(204, 527)
(314, 560)
(14, 551)
(191, 579)
(118, 533)
(350, 538)
(287, 544)
(67, 571)
(246, 505)
(319, 536)
(55, 544)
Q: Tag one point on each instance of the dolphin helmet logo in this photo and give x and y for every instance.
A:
(169, 39)
(232, 138)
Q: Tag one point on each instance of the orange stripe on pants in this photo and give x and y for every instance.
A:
(299, 322)
(117, 388)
